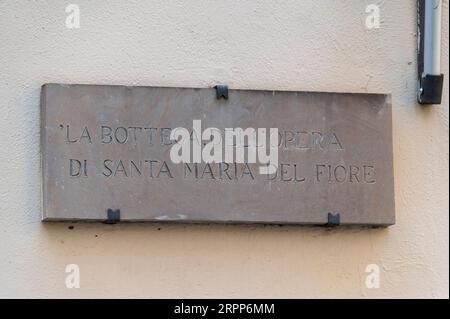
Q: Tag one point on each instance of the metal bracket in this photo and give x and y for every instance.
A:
(333, 220)
(113, 216)
(221, 91)
(431, 89)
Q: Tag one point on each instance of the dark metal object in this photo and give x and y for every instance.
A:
(113, 216)
(333, 220)
(430, 86)
(431, 89)
(221, 91)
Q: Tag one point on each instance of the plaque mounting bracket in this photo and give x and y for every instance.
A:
(333, 220)
(221, 91)
(113, 216)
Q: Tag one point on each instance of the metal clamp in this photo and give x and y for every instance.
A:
(333, 220)
(431, 89)
(113, 216)
(221, 91)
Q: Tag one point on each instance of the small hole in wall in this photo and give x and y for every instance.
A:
(71, 227)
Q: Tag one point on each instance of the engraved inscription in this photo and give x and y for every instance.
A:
(110, 145)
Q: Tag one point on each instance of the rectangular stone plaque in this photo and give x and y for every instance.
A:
(108, 148)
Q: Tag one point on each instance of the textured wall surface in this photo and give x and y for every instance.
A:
(282, 45)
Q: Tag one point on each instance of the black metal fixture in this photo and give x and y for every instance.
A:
(429, 19)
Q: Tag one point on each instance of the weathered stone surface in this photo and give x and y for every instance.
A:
(107, 147)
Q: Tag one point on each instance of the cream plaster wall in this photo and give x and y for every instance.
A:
(282, 45)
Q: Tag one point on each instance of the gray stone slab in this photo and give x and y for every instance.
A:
(107, 147)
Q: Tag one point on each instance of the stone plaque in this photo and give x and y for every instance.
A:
(106, 150)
